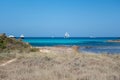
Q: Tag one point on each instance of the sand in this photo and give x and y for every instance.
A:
(62, 63)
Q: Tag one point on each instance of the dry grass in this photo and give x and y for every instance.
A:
(62, 64)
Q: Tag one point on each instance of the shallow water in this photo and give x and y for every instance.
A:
(96, 45)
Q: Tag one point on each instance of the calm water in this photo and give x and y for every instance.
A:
(96, 45)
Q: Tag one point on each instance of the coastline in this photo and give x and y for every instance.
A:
(117, 41)
(62, 63)
(55, 63)
(96, 45)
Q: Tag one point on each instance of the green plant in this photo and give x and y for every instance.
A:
(33, 49)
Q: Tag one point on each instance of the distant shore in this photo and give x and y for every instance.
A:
(114, 41)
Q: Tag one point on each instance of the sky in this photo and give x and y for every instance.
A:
(46, 18)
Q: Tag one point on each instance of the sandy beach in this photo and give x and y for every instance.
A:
(61, 63)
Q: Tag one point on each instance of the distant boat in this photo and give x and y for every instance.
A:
(92, 37)
(22, 36)
(67, 35)
(11, 36)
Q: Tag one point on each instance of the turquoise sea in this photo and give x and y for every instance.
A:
(86, 44)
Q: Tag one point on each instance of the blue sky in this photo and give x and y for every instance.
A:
(45, 18)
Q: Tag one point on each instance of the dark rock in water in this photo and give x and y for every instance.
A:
(88, 47)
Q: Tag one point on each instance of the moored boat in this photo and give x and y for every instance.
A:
(22, 36)
(67, 35)
(11, 36)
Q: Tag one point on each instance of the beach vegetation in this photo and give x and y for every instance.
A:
(34, 49)
(10, 46)
(64, 66)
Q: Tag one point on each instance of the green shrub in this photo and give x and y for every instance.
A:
(8, 44)
(34, 49)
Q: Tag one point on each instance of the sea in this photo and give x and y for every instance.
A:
(86, 44)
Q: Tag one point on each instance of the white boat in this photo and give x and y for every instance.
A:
(11, 36)
(67, 35)
(22, 36)
(92, 37)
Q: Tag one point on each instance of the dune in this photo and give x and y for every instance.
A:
(62, 63)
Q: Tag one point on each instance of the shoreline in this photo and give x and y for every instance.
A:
(79, 49)
(72, 48)
(61, 63)
(116, 41)
(59, 49)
